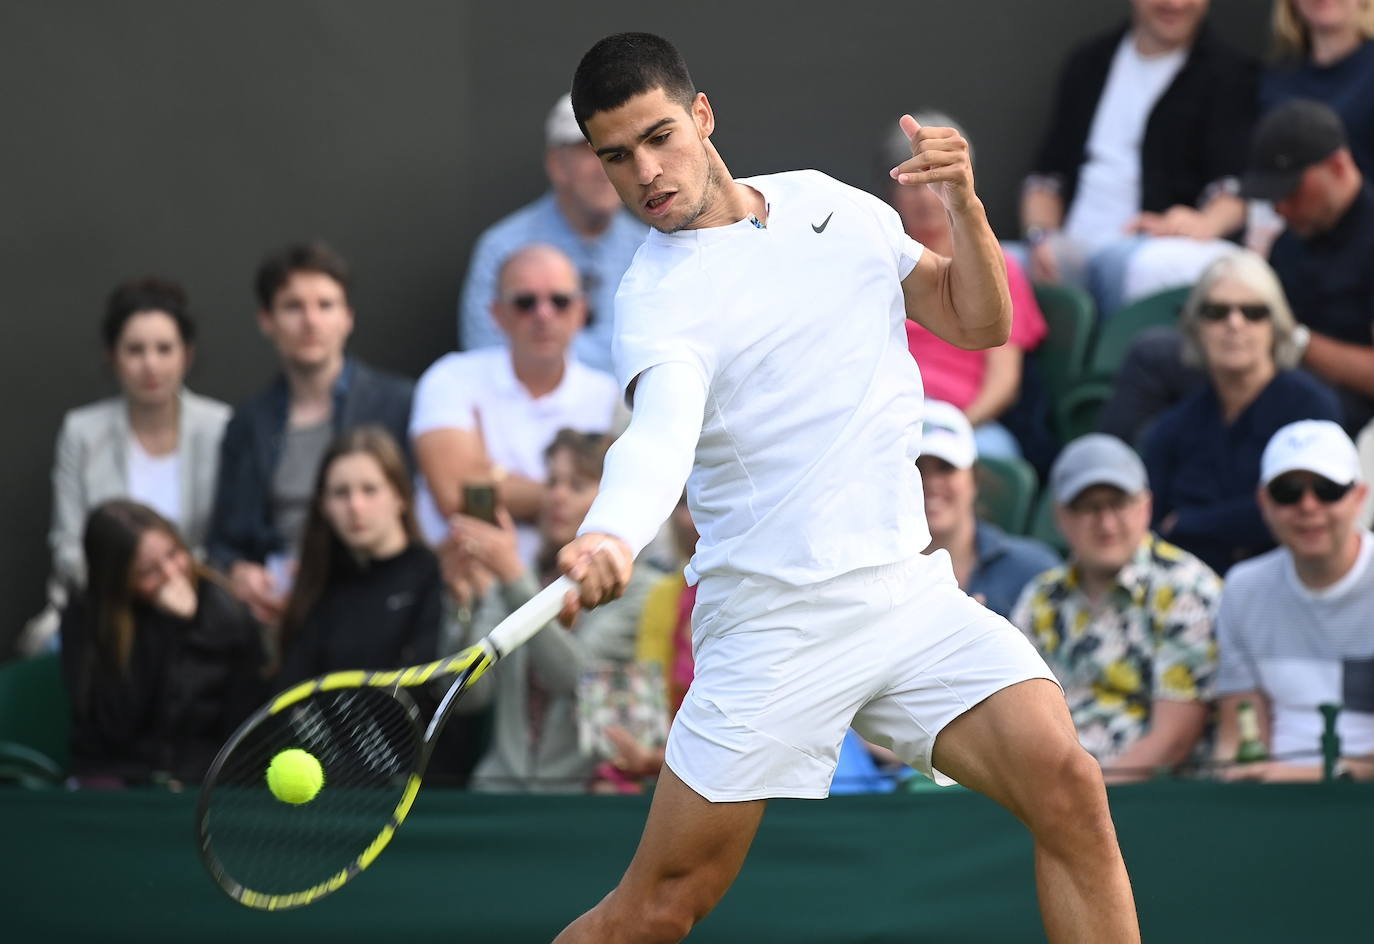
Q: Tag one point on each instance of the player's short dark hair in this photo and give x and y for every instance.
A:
(142, 295)
(278, 267)
(622, 66)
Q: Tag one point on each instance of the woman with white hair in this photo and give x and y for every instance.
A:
(1203, 454)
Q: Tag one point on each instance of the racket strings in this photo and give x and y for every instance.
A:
(367, 743)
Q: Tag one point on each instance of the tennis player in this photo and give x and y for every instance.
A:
(759, 335)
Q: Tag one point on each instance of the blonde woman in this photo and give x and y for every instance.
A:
(1203, 454)
(1324, 50)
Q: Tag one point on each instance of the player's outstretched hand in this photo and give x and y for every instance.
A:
(939, 157)
(601, 564)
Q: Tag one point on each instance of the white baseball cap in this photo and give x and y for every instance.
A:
(946, 434)
(560, 128)
(1318, 446)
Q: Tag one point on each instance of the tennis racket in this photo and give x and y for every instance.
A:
(367, 733)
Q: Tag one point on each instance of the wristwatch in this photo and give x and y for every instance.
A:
(1301, 337)
(1035, 235)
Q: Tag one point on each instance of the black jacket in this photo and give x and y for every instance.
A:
(1197, 134)
(189, 684)
(382, 615)
(241, 523)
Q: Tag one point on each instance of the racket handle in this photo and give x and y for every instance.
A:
(536, 613)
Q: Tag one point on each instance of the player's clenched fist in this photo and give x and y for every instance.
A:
(601, 564)
(939, 157)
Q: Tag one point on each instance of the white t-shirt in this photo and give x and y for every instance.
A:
(805, 468)
(155, 480)
(516, 427)
(1302, 648)
(1108, 194)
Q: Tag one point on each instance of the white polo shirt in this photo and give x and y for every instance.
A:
(516, 427)
(805, 467)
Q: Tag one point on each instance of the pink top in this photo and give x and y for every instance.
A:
(955, 375)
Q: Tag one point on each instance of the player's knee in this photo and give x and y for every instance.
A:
(1072, 809)
(668, 915)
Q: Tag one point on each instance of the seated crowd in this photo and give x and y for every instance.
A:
(1214, 528)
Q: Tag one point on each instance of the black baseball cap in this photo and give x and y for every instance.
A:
(1290, 139)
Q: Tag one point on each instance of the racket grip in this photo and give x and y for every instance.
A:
(536, 613)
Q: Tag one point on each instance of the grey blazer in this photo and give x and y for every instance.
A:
(92, 466)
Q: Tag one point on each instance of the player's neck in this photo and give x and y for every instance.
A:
(729, 201)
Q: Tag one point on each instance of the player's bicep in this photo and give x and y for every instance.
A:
(927, 299)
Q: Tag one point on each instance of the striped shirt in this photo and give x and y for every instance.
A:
(1302, 648)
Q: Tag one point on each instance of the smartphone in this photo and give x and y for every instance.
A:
(479, 501)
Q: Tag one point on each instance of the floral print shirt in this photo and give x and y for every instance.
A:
(1150, 637)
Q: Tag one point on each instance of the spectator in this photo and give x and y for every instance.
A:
(156, 442)
(161, 663)
(489, 415)
(1300, 161)
(990, 565)
(1325, 52)
(1152, 377)
(534, 744)
(1126, 625)
(1147, 135)
(273, 444)
(368, 594)
(1294, 630)
(1203, 455)
(580, 215)
(981, 383)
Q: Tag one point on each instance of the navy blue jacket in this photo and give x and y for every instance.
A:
(1005, 565)
(1207, 471)
(241, 524)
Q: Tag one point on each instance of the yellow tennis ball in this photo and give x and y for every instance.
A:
(295, 776)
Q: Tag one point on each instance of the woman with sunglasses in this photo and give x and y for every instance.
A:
(1203, 454)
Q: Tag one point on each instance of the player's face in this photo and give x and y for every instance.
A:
(568, 496)
(309, 321)
(950, 493)
(541, 306)
(150, 358)
(1169, 23)
(1311, 528)
(656, 155)
(1104, 526)
(1235, 344)
(361, 505)
(160, 558)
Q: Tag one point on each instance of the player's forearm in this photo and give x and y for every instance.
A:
(648, 466)
(977, 280)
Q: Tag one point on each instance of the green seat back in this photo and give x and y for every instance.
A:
(1006, 492)
(34, 710)
(1062, 355)
(1043, 526)
(1121, 328)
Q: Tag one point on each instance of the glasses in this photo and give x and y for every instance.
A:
(1220, 311)
(526, 301)
(1289, 491)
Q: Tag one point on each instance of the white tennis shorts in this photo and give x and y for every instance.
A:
(897, 652)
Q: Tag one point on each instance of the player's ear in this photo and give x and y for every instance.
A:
(703, 116)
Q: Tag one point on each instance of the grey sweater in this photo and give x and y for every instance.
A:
(515, 763)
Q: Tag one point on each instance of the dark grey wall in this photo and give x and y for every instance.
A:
(186, 139)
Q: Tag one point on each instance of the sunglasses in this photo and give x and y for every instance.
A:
(1220, 311)
(1287, 491)
(526, 301)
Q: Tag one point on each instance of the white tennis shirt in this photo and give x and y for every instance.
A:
(805, 468)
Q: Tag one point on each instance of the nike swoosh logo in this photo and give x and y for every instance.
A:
(821, 228)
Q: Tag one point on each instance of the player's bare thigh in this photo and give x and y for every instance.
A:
(688, 856)
(1013, 745)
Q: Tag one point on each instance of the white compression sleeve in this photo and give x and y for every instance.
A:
(649, 464)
